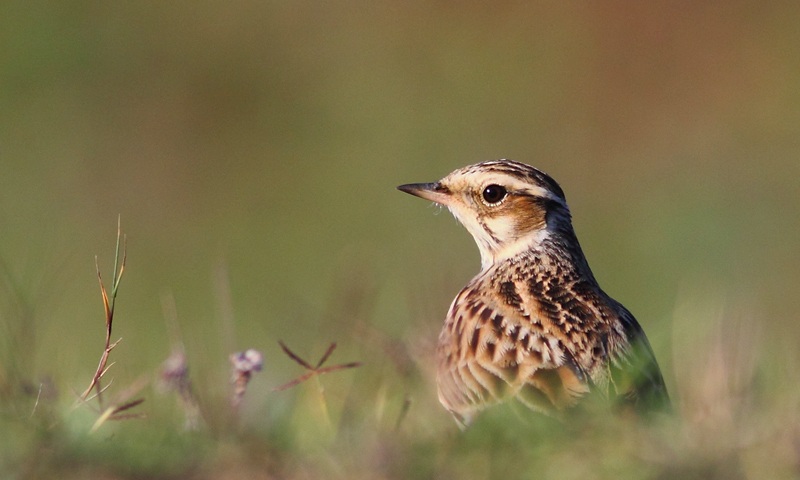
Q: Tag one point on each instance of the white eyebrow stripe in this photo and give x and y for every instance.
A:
(540, 192)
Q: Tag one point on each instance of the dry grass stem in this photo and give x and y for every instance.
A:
(103, 366)
(313, 371)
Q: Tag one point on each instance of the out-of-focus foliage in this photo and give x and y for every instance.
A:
(252, 150)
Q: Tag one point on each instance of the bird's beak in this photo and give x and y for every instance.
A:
(435, 192)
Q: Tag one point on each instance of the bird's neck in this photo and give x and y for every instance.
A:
(494, 254)
(554, 253)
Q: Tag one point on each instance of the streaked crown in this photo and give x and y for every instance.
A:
(508, 207)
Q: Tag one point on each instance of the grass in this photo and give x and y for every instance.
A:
(732, 420)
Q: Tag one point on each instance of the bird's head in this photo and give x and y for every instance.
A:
(508, 207)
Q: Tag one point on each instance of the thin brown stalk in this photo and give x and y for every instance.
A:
(294, 356)
(103, 366)
(327, 354)
(313, 371)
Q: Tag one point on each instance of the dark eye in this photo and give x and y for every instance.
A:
(493, 194)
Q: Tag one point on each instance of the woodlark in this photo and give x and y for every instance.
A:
(533, 324)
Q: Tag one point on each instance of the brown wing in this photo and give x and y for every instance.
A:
(634, 371)
(494, 345)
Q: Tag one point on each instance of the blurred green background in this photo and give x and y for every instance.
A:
(252, 151)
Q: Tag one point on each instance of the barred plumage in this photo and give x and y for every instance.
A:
(533, 324)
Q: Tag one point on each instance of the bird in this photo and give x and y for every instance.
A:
(533, 324)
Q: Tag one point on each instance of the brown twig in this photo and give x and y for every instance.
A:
(294, 356)
(313, 371)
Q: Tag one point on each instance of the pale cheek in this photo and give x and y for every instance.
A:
(468, 221)
(503, 229)
(475, 228)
